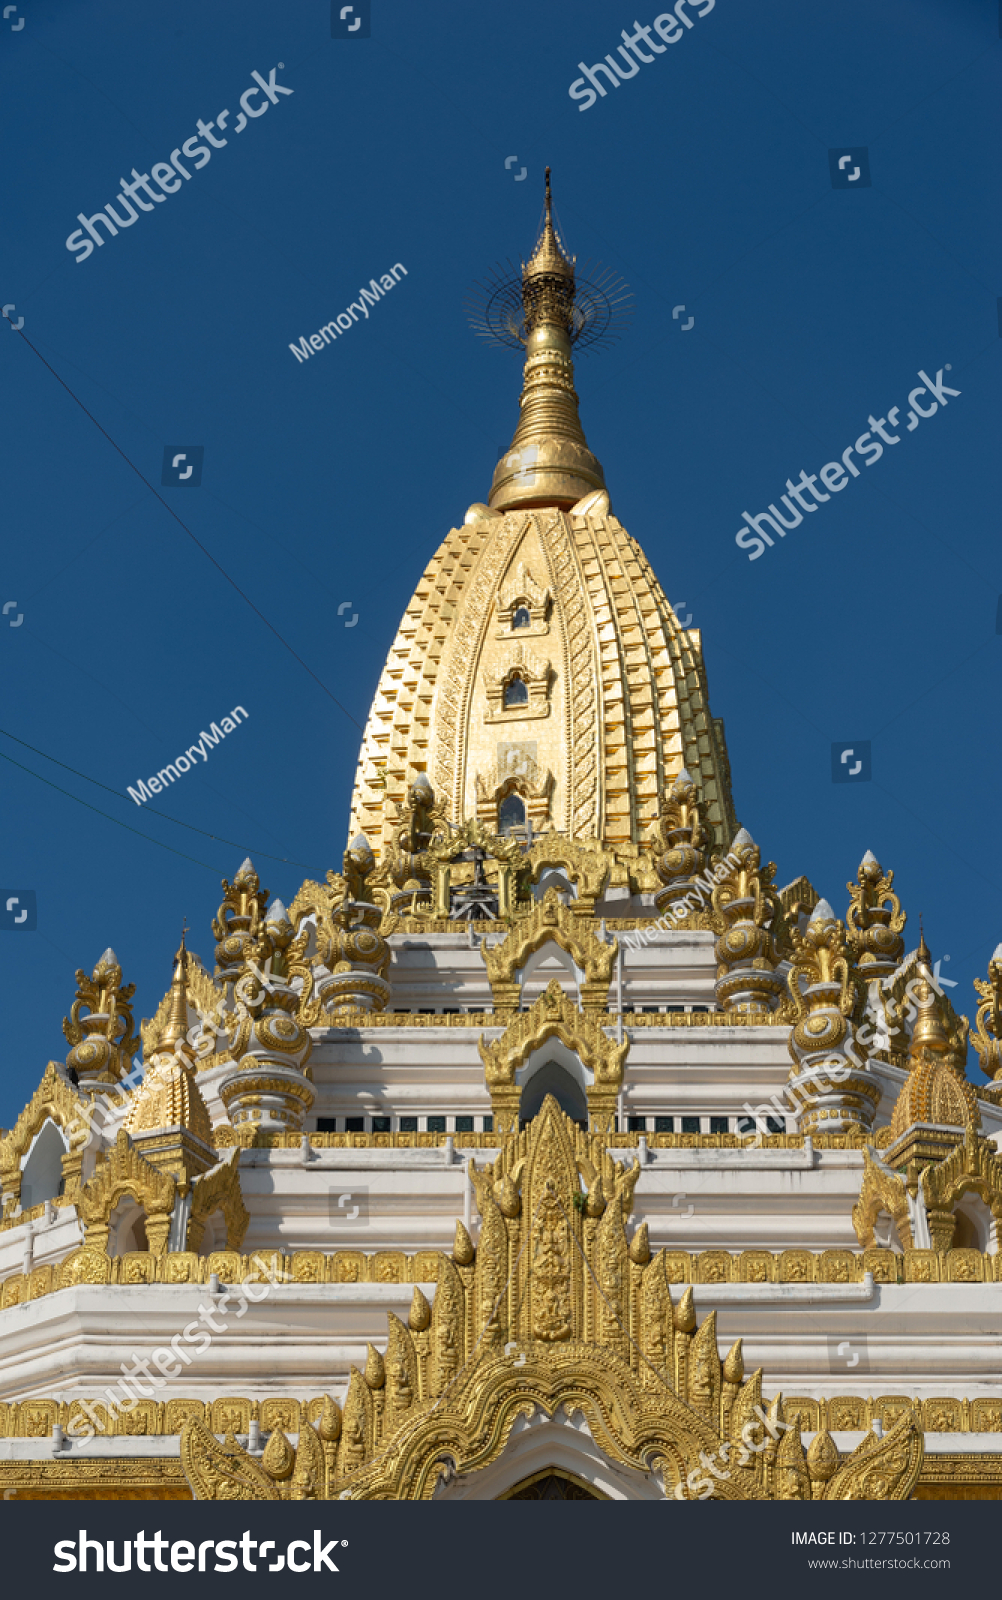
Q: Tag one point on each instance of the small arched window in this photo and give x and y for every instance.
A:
(515, 692)
(521, 619)
(511, 814)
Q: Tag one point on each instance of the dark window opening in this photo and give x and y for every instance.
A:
(515, 692)
(636, 1124)
(718, 1124)
(327, 1124)
(701, 1008)
(521, 619)
(554, 1079)
(664, 1124)
(436, 1124)
(772, 1125)
(354, 1124)
(408, 1124)
(380, 1124)
(674, 1009)
(488, 1124)
(511, 814)
(464, 1124)
(690, 1124)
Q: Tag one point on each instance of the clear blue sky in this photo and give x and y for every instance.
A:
(705, 181)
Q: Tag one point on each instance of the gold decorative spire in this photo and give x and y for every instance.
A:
(176, 1027)
(549, 462)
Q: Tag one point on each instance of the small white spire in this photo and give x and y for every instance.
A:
(246, 865)
(742, 838)
(822, 912)
(109, 959)
(869, 860)
(277, 912)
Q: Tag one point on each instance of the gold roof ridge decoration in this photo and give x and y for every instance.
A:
(556, 1308)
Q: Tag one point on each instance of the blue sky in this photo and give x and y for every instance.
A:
(704, 181)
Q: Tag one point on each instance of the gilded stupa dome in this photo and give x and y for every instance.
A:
(539, 656)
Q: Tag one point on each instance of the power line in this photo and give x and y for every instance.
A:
(107, 815)
(234, 585)
(119, 796)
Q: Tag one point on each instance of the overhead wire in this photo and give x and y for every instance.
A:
(287, 860)
(193, 537)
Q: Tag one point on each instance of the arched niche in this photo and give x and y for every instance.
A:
(554, 1069)
(555, 878)
(975, 1229)
(42, 1172)
(127, 1227)
(551, 961)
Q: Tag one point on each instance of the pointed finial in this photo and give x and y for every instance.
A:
(550, 259)
(925, 958)
(823, 912)
(176, 1026)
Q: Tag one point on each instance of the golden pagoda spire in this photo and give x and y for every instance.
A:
(549, 462)
(176, 1027)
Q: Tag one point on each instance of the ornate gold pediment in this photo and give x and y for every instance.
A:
(973, 1166)
(124, 1172)
(585, 863)
(556, 1307)
(554, 1015)
(550, 920)
(55, 1099)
